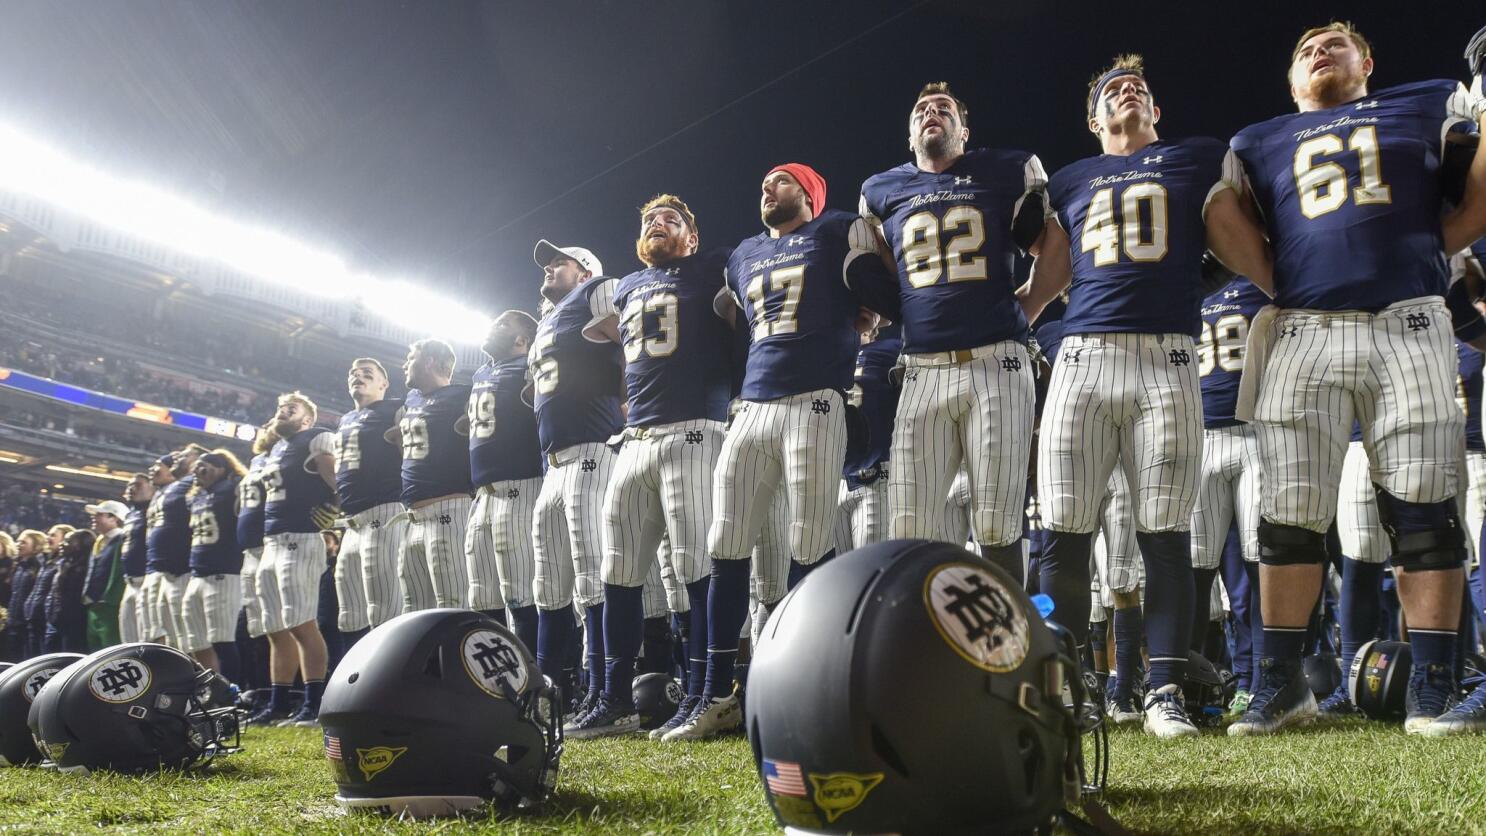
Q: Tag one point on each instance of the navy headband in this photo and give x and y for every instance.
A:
(1098, 89)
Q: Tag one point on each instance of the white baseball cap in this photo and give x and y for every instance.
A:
(111, 506)
(546, 251)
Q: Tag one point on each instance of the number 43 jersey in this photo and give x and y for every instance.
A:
(1351, 196)
(1137, 233)
(951, 235)
(1226, 316)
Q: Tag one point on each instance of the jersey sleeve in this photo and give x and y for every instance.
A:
(864, 272)
(322, 444)
(1230, 176)
(601, 301)
(1463, 105)
(867, 208)
(1034, 177)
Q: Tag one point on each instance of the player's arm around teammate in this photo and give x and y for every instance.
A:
(214, 593)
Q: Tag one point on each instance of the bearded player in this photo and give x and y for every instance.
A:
(1129, 231)
(678, 378)
(1350, 191)
(953, 220)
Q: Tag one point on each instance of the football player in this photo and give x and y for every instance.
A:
(168, 544)
(214, 592)
(368, 482)
(250, 530)
(1350, 193)
(864, 504)
(134, 556)
(1129, 229)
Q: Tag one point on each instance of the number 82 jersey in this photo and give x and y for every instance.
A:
(1226, 316)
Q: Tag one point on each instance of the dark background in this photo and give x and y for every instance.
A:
(439, 140)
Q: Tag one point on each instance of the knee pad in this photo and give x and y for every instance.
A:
(1425, 536)
(1290, 545)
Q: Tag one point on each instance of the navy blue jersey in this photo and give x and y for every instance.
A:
(136, 545)
(1469, 394)
(1048, 329)
(435, 452)
(1137, 235)
(250, 504)
(951, 235)
(577, 382)
(214, 548)
(799, 311)
(874, 393)
(1226, 315)
(677, 349)
(503, 429)
(368, 467)
(292, 488)
(168, 536)
(1351, 197)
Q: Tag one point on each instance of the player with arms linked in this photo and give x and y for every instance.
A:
(968, 393)
(1350, 192)
(678, 374)
(435, 479)
(1129, 231)
(214, 593)
(132, 619)
(794, 283)
(368, 481)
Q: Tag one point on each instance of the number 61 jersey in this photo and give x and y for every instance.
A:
(1351, 196)
(1226, 316)
(951, 235)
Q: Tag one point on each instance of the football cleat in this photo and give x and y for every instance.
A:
(267, 717)
(304, 718)
(1469, 717)
(607, 718)
(1430, 687)
(1239, 705)
(709, 720)
(1283, 699)
(580, 710)
(1166, 713)
(683, 713)
(1122, 710)
(1338, 704)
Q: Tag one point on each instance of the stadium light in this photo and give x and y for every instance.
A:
(93, 473)
(30, 167)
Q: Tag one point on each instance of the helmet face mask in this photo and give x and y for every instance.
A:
(439, 711)
(843, 746)
(134, 708)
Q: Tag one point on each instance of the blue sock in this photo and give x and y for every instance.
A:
(727, 605)
(313, 691)
(496, 615)
(1129, 630)
(228, 660)
(797, 571)
(1256, 623)
(1202, 594)
(1432, 647)
(1168, 603)
(278, 696)
(681, 650)
(593, 625)
(1285, 644)
(554, 631)
(525, 620)
(1358, 607)
(623, 613)
(1065, 578)
(696, 676)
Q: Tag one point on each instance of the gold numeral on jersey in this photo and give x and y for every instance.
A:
(1323, 187)
(273, 486)
(348, 450)
(791, 281)
(663, 342)
(204, 531)
(1223, 344)
(1104, 236)
(923, 259)
(481, 414)
(544, 371)
(414, 439)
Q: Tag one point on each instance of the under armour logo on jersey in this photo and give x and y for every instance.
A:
(512, 493)
(1417, 321)
(1071, 355)
(795, 241)
(820, 407)
(693, 436)
(1151, 160)
(981, 609)
(962, 181)
(1179, 357)
(1290, 331)
(1011, 364)
(588, 466)
(1230, 294)
(1367, 105)
(673, 271)
(445, 519)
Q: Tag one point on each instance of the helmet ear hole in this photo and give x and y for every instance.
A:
(1031, 757)
(885, 750)
(435, 665)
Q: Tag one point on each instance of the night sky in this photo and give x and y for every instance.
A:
(440, 140)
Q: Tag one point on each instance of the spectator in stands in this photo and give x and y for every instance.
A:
(7, 568)
(104, 590)
(30, 547)
(66, 620)
(328, 614)
(46, 574)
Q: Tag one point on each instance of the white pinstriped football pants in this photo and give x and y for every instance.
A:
(1229, 492)
(498, 544)
(131, 612)
(251, 605)
(432, 565)
(1117, 560)
(1394, 371)
(366, 570)
(568, 527)
(795, 443)
(979, 412)
(1131, 400)
(1358, 525)
(863, 515)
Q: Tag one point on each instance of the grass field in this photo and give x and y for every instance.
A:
(1354, 778)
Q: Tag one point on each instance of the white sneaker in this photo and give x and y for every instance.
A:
(709, 720)
(1122, 711)
(1166, 713)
